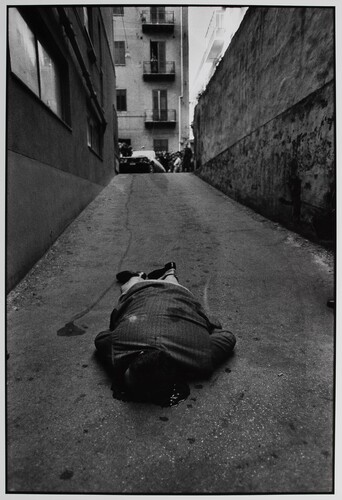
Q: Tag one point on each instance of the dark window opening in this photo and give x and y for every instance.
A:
(121, 100)
(125, 141)
(161, 145)
(159, 100)
(158, 14)
(94, 133)
(119, 53)
(101, 62)
(118, 11)
(158, 57)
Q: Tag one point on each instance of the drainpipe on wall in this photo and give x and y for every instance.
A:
(72, 37)
(181, 96)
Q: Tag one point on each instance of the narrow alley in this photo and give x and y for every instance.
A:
(263, 423)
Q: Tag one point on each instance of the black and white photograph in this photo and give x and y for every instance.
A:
(170, 256)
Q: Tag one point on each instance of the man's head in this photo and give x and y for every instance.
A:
(152, 376)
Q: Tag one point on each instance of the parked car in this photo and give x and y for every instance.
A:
(143, 161)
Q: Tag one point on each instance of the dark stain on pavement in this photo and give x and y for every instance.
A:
(164, 419)
(179, 393)
(67, 474)
(70, 330)
(227, 370)
(191, 440)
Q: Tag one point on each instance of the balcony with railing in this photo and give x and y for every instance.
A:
(155, 20)
(156, 70)
(160, 118)
(215, 35)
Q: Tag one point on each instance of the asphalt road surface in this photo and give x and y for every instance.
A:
(262, 424)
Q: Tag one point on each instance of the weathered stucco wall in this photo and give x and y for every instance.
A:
(264, 127)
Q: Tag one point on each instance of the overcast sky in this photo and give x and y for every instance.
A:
(199, 18)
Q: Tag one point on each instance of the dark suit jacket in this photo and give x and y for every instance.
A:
(165, 316)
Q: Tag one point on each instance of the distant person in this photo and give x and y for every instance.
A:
(159, 337)
(125, 149)
(154, 64)
(187, 159)
(177, 164)
(163, 160)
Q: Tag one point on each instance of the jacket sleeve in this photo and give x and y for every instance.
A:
(222, 344)
(113, 317)
(103, 345)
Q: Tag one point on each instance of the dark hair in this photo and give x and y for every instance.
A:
(153, 375)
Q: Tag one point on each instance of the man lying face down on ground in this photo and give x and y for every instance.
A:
(160, 336)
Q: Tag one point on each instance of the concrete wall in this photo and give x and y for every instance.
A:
(42, 200)
(52, 174)
(264, 127)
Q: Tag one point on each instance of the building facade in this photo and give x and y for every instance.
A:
(223, 22)
(222, 25)
(151, 60)
(61, 123)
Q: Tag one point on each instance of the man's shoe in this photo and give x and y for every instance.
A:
(158, 273)
(124, 276)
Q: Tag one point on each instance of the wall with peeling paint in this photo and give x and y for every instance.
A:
(264, 127)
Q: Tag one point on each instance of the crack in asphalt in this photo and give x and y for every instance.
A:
(104, 293)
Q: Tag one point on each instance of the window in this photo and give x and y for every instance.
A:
(158, 57)
(89, 31)
(119, 53)
(94, 133)
(88, 20)
(161, 145)
(157, 14)
(33, 63)
(121, 100)
(118, 11)
(101, 61)
(126, 141)
(159, 100)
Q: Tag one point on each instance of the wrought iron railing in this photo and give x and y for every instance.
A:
(157, 17)
(160, 115)
(157, 67)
